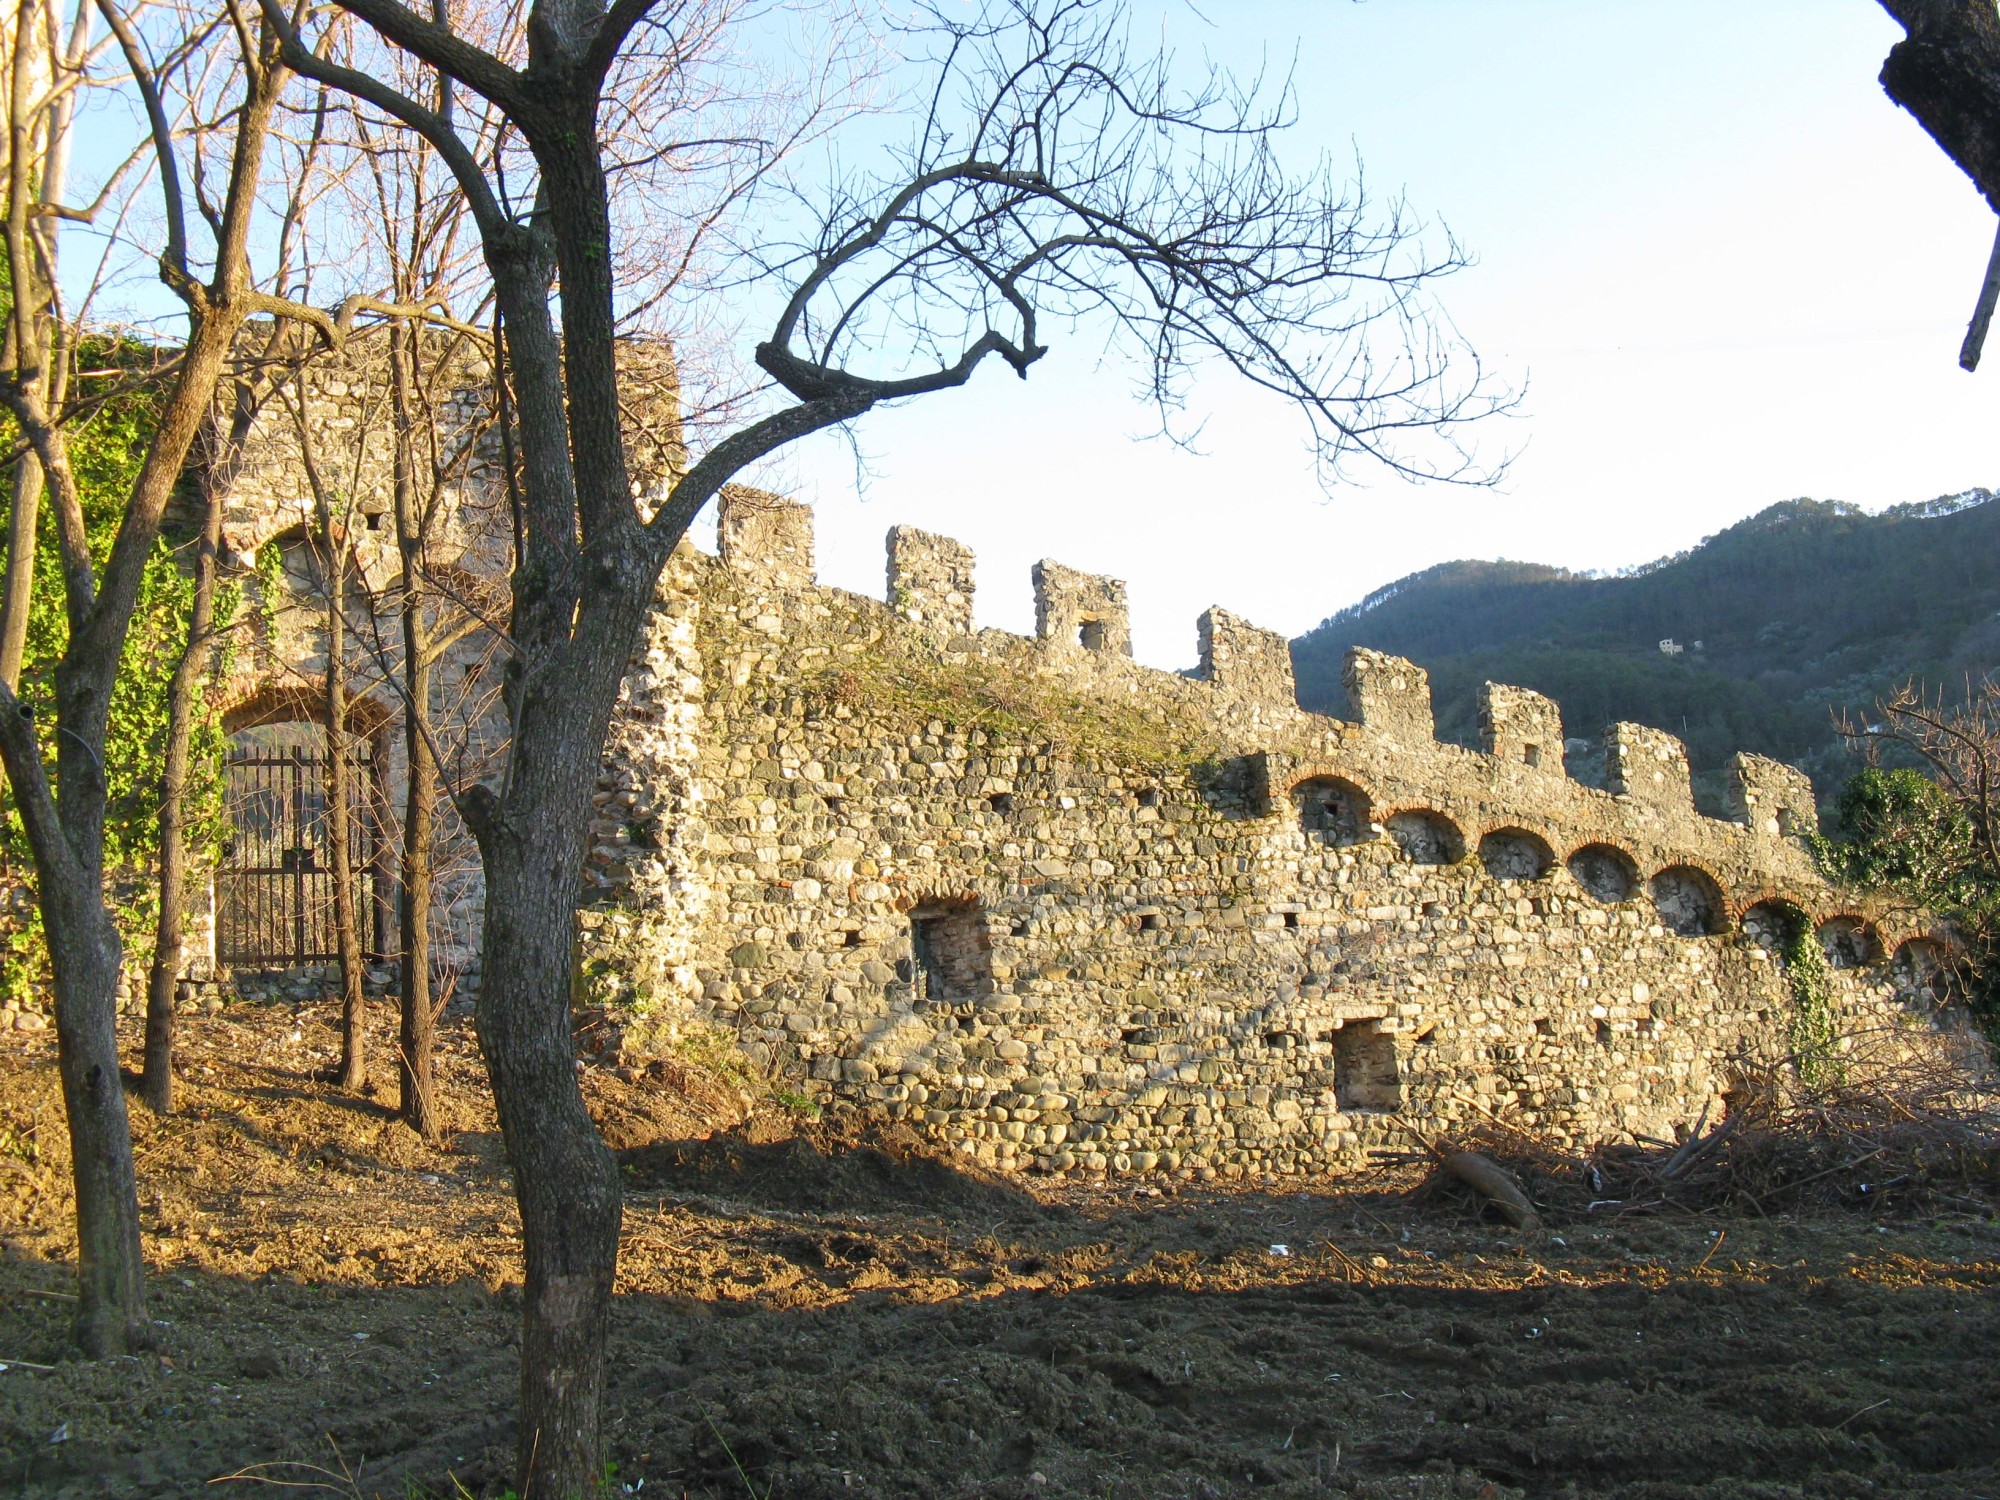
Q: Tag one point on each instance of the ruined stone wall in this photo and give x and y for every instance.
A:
(1069, 912)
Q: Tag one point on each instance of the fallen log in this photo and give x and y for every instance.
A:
(1485, 1178)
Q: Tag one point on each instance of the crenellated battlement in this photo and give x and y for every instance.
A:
(1070, 912)
(1082, 631)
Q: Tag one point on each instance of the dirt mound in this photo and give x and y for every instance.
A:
(814, 1312)
(823, 1169)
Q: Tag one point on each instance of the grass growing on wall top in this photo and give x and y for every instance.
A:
(1015, 705)
(869, 671)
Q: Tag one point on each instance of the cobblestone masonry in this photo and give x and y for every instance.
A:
(1068, 912)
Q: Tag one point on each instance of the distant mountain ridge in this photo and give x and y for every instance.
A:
(1806, 608)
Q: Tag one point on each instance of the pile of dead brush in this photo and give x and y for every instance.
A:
(1913, 1140)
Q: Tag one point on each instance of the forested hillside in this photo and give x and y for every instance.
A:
(1803, 609)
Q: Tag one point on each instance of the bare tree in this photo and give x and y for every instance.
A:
(47, 67)
(333, 544)
(1055, 178)
(215, 472)
(1946, 72)
(64, 816)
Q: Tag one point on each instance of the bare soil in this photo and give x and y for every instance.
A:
(812, 1310)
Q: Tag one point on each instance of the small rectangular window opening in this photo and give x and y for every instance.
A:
(851, 938)
(1149, 922)
(1532, 754)
(1001, 802)
(1149, 796)
(1090, 635)
(1366, 1075)
(1292, 920)
(949, 955)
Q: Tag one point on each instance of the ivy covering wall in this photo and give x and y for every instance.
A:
(107, 448)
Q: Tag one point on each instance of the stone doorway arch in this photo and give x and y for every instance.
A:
(273, 885)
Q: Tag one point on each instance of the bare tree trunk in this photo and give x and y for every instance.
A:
(85, 951)
(111, 1302)
(18, 586)
(66, 832)
(1946, 72)
(416, 1069)
(183, 691)
(335, 553)
(564, 1177)
(340, 821)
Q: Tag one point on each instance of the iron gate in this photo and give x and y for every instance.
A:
(274, 887)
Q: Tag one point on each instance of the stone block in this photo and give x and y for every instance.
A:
(1081, 609)
(766, 537)
(1770, 798)
(1648, 765)
(1389, 695)
(1245, 661)
(1521, 727)
(930, 581)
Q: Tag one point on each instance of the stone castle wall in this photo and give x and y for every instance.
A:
(1069, 912)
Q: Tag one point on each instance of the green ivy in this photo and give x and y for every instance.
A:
(1811, 1034)
(106, 452)
(1902, 833)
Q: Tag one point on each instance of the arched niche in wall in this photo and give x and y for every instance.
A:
(1331, 810)
(1606, 873)
(1923, 965)
(1688, 900)
(1849, 942)
(1426, 837)
(1773, 925)
(1516, 854)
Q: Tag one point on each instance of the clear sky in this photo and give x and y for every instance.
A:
(1728, 270)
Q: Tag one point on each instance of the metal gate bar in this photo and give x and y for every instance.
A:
(274, 893)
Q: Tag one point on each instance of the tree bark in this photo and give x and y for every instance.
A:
(1946, 73)
(18, 587)
(111, 1291)
(335, 553)
(532, 844)
(67, 834)
(85, 951)
(340, 821)
(416, 1071)
(183, 693)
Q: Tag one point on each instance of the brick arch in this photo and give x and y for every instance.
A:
(965, 898)
(1506, 842)
(1324, 771)
(1448, 828)
(1689, 876)
(1598, 888)
(1866, 949)
(1351, 824)
(1938, 947)
(303, 701)
(1775, 913)
(1740, 903)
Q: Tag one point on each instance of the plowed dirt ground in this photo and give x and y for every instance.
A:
(805, 1311)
